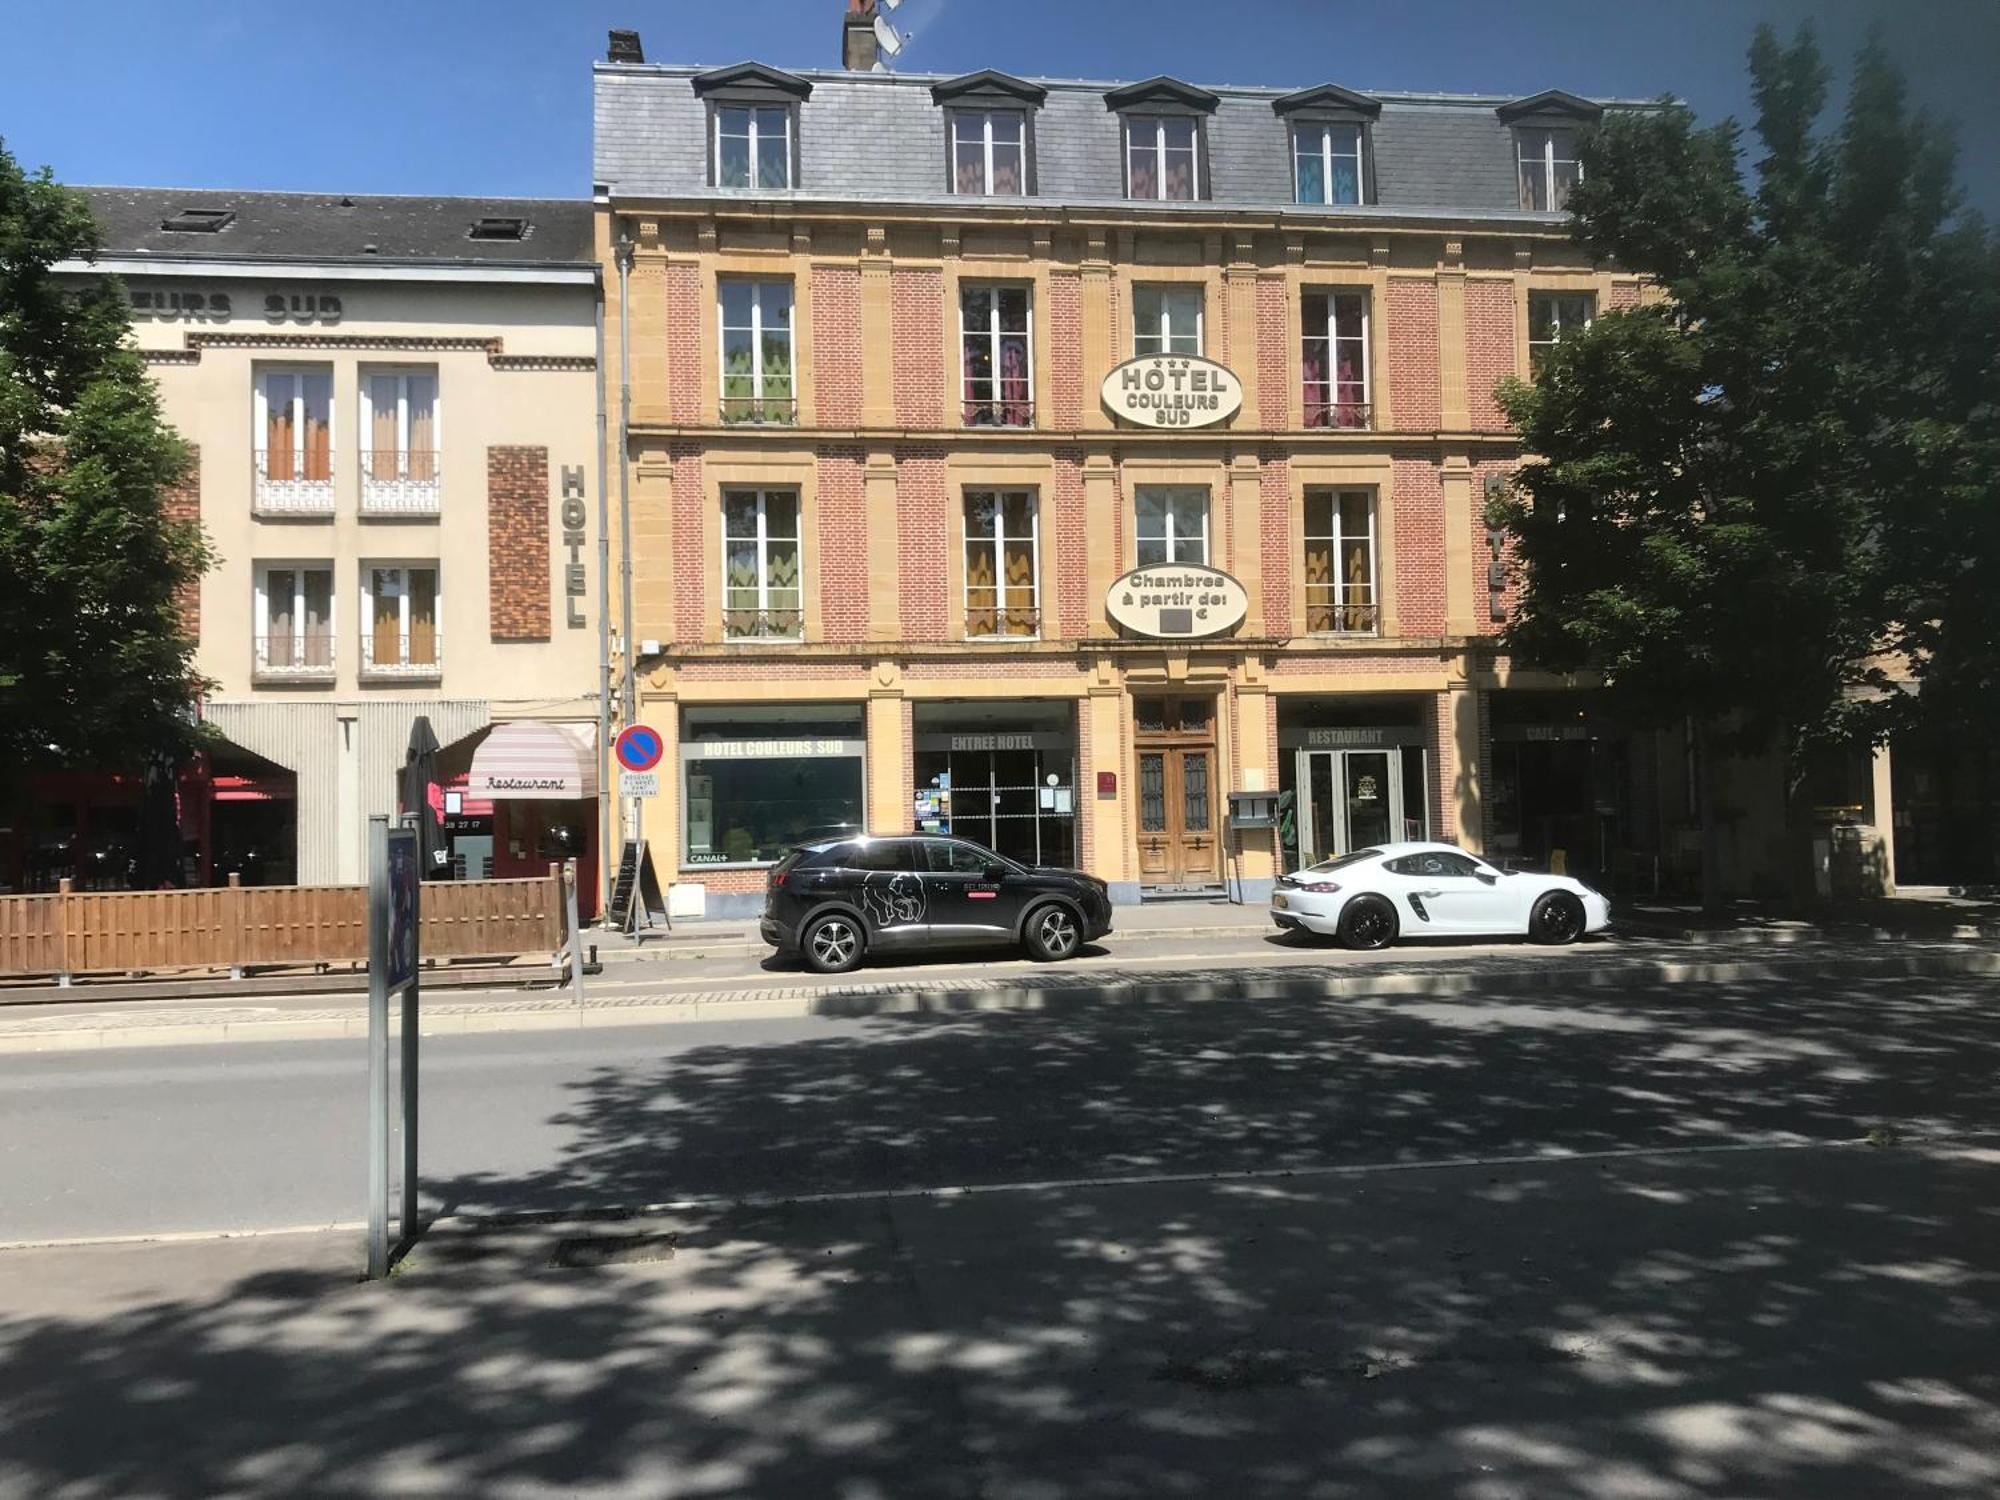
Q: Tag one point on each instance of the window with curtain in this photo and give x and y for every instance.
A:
(1340, 561)
(1172, 523)
(399, 415)
(988, 153)
(1166, 320)
(402, 632)
(1162, 157)
(761, 586)
(1000, 583)
(1326, 160)
(757, 351)
(1550, 316)
(294, 618)
(1335, 358)
(753, 146)
(297, 424)
(995, 335)
(1549, 167)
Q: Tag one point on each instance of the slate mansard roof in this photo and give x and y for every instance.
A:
(338, 227)
(881, 137)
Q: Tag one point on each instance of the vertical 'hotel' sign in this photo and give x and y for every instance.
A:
(576, 579)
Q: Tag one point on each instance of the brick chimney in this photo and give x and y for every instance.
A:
(859, 51)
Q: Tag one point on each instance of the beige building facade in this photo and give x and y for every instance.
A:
(392, 405)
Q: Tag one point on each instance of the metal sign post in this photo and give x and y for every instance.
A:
(393, 915)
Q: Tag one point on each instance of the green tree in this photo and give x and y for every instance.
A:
(1766, 502)
(94, 666)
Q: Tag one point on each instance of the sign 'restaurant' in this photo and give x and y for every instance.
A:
(1172, 390)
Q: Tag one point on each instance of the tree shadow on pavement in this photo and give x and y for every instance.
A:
(1404, 1281)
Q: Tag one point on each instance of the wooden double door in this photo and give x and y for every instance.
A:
(1178, 842)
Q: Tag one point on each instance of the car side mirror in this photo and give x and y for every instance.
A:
(995, 872)
(1486, 877)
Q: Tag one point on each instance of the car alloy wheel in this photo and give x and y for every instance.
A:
(1558, 919)
(1368, 923)
(833, 945)
(1055, 933)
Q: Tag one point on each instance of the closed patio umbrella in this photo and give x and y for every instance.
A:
(419, 796)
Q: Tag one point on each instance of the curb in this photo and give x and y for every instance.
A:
(1058, 994)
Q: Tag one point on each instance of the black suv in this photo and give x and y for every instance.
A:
(830, 902)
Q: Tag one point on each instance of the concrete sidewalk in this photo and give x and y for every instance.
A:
(1416, 972)
(1817, 1320)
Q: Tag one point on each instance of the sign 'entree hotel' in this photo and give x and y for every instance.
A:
(1172, 390)
(1177, 601)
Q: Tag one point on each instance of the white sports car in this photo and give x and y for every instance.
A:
(1370, 897)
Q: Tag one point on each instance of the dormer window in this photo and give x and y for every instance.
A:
(1162, 157)
(989, 133)
(1326, 162)
(1165, 149)
(753, 126)
(1547, 130)
(989, 153)
(753, 147)
(1330, 143)
(1549, 167)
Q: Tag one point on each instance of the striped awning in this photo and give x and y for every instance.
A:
(530, 760)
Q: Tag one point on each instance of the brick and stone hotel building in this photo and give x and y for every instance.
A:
(391, 406)
(923, 368)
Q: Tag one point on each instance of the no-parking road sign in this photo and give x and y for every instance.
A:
(638, 747)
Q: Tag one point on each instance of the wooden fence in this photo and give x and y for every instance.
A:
(238, 927)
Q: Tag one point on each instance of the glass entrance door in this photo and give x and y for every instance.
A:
(1353, 799)
(1365, 793)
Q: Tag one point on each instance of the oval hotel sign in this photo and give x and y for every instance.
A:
(1173, 390)
(1177, 601)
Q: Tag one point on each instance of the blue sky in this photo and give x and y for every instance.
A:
(492, 96)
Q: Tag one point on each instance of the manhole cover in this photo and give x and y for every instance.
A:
(585, 1251)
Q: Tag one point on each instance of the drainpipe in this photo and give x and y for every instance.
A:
(630, 647)
(606, 865)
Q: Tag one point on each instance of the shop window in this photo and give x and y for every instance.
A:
(757, 782)
(293, 636)
(1340, 561)
(757, 351)
(399, 417)
(1326, 162)
(996, 335)
(294, 457)
(1166, 320)
(401, 605)
(1549, 167)
(761, 596)
(1550, 316)
(753, 146)
(1012, 791)
(1334, 327)
(1163, 157)
(1001, 598)
(989, 153)
(1172, 524)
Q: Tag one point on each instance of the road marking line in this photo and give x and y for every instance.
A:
(1046, 1185)
(182, 1236)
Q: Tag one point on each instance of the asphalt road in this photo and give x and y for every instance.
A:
(252, 1135)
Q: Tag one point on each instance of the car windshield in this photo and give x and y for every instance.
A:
(1341, 862)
